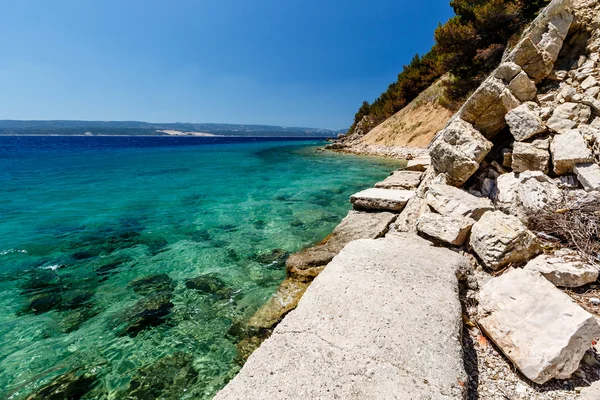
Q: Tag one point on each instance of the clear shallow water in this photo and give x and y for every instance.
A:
(82, 218)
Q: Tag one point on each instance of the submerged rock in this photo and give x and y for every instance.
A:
(149, 312)
(44, 302)
(209, 284)
(273, 258)
(69, 386)
(167, 379)
(152, 284)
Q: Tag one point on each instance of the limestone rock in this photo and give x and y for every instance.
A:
(458, 150)
(507, 71)
(499, 239)
(527, 193)
(588, 175)
(418, 164)
(448, 200)
(589, 82)
(445, 228)
(531, 156)
(408, 180)
(486, 108)
(367, 329)
(535, 62)
(568, 149)
(537, 326)
(524, 122)
(564, 268)
(381, 199)
(591, 392)
(522, 87)
(407, 220)
(568, 115)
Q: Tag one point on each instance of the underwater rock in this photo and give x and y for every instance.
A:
(75, 299)
(274, 259)
(44, 302)
(210, 284)
(40, 279)
(152, 284)
(167, 379)
(73, 319)
(148, 312)
(67, 386)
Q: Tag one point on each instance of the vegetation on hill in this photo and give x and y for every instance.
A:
(468, 46)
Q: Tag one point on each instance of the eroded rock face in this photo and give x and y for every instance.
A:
(524, 122)
(458, 150)
(499, 239)
(381, 199)
(533, 156)
(564, 268)
(407, 180)
(527, 194)
(522, 87)
(538, 327)
(448, 200)
(568, 149)
(445, 228)
(486, 108)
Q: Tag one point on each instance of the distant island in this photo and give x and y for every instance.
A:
(137, 128)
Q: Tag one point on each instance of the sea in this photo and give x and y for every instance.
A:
(127, 262)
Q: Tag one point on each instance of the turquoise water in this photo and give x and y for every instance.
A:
(125, 262)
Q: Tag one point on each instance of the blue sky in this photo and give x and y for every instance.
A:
(281, 62)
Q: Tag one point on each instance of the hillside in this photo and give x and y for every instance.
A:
(138, 128)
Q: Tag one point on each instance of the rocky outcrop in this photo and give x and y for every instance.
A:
(458, 150)
(448, 200)
(524, 121)
(445, 228)
(564, 268)
(408, 180)
(569, 149)
(367, 329)
(381, 199)
(533, 156)
(499, 239)
(536, 326)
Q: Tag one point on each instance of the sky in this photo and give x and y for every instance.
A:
(306, 63)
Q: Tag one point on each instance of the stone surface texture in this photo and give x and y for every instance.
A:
(564, 268)
(538, 327)
(533, 156)
(445, 228)
(568, 149)
(588, 175)
(369, 327)
(458, 150)
(381, 199)
(408, 180)
(448, 200)
(499, 239)
(567, 116)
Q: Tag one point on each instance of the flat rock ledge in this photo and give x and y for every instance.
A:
(381, 199)
(369, 327)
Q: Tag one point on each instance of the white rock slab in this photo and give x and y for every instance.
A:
(445, 228)
(568, 149)
(381, 199)
(408, 180)
(522, 87)
(537, 326)
(419, 164)
(524, 121)
(568, 115)
(499, 239)
(382, 321)
(448, 200)
(564, 268)
(588, 175)
(531, 156)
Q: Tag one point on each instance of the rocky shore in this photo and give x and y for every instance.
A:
(473, 272)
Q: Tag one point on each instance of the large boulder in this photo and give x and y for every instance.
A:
(449, 200)
(533, 156)
(537, 326)
(568, 149)
(367, 329)
(524, 121)
(408, 180)
(527, 193)
(486, 108)
(564, 268)
(499, 239)
(588, 175)
(568, 115)
(381, 199)
(458, 150)
(445, 228)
